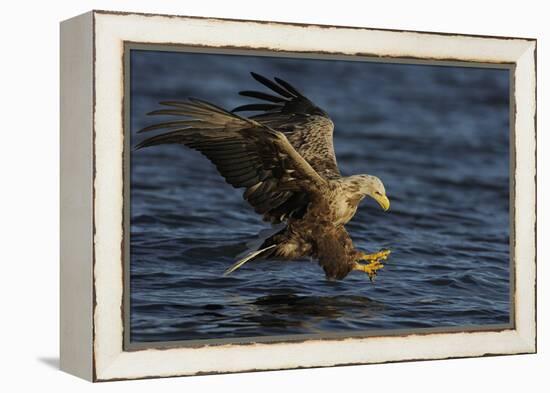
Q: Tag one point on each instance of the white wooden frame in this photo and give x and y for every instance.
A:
(92, 152)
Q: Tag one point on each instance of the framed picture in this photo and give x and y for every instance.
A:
(245, 195)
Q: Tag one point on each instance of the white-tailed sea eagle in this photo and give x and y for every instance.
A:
(284, 159)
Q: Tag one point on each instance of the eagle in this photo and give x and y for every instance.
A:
(283, 157)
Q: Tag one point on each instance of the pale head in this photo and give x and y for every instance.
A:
(373, 187)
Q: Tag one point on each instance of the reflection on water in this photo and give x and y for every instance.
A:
(437, 136)
(289, 310)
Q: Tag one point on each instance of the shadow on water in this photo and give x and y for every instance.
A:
(292, 310)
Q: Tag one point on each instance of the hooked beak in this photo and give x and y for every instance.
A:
(383, 201)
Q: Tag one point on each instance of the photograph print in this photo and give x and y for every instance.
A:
(279, 198)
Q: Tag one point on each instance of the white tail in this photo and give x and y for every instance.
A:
(247, 258)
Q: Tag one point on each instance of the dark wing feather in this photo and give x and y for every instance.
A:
(307, 127)
(246, 153)
(261, 96)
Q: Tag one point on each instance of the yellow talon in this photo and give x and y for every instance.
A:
(374, 264)
(377, 256)
(371, 269)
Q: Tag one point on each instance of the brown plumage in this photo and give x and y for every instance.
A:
(284, 159)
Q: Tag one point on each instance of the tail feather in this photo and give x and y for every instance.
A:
(247, 258)
(263, 239)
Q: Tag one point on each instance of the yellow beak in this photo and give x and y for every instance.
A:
(383, 201)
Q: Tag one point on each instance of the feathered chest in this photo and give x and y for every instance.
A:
(343, 207)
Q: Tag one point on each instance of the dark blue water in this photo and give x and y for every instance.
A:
(436, 136)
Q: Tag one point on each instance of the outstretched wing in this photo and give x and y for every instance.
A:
(307, 127)
(278, 181)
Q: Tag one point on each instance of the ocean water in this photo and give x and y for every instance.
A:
(437, 137)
